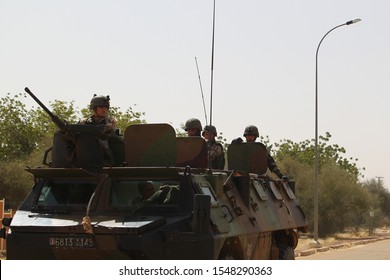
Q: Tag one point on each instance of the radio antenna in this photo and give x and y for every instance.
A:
(201, 90)
(212, 68)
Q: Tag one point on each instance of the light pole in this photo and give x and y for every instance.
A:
(316, 242)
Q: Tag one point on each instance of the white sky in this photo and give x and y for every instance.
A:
(143, 52)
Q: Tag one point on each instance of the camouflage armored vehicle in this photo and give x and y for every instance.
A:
(153, 198)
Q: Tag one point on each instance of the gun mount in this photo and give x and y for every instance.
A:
(80, 145)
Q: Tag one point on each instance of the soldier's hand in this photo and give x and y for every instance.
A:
(285, 178)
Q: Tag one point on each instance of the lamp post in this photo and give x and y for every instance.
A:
(316, 242)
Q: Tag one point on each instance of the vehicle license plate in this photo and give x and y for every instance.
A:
(79, 242)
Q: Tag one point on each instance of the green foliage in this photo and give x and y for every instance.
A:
(14, 182)
(18, 135)
(65, 111)
(382, 195)
(304, 152)
(124, 119)
(342, 201)
(223, 142)
(127, 118)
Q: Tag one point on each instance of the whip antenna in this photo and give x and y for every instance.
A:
(212, 67)
(201, 90)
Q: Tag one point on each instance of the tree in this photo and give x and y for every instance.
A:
(304, 152)
(15, 183)
(65, 111)
(343, 202)
(382, 195)
(18, 134)
(21, 130)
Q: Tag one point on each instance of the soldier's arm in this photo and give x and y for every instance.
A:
(111, 125)
(273, 167)
(215, 151)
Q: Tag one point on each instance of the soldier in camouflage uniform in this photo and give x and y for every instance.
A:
(146, 190)
(251, 133)
(100, 105)
(193, 127)
(216, 155)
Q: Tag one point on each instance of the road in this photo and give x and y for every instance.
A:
(379, 250)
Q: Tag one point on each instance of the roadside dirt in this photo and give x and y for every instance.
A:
(307, 245)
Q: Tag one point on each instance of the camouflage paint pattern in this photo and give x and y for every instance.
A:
(199, 214)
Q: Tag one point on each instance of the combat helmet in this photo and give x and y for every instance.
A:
(210, 128)
(99, 100)
(251, 130)
(193, 123)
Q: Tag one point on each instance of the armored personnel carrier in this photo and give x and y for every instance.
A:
(152, 197)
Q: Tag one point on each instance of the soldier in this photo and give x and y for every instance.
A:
(193, 127)
(215, 150)
(146, 190)
(251, 133)
(100, 105)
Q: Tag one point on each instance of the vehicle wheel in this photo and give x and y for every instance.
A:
(231, 250)
(226, 257)
(286, 252)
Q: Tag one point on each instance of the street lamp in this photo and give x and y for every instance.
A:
(316, 242)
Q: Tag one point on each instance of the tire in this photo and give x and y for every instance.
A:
(286, 252)
(226, 257)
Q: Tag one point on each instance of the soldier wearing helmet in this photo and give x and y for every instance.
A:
(100, 105)
(146, 190)
(193, 127)
(215, 152)
(251, 133)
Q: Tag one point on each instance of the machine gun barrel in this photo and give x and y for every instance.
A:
(60, 124)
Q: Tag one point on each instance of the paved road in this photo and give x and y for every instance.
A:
(379, 250)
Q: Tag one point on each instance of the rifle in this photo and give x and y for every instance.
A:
(60, 124)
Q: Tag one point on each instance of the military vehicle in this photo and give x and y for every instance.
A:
(86, 202)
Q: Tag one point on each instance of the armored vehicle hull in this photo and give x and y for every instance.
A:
(192, 212)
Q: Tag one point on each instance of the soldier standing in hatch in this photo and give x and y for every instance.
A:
(146, 190)
(193, 127)
(251, 133)
(214, 149)
(100, 105)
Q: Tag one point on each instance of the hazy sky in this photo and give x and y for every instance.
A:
(143, 52)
